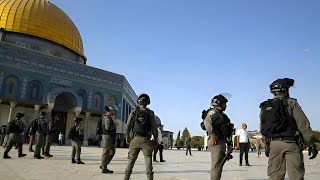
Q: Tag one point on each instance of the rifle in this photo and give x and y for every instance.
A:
(227, 157)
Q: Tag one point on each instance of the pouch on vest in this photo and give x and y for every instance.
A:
(273, 116)
(203, 117)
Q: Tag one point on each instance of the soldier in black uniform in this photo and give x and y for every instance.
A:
(76, 136)
(14, 129)
(109, 129)
(284, 125)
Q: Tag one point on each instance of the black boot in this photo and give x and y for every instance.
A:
(22, 155)
(38, 157)
(73, 161)
(106, 171)
(6, 156)
(80, 162)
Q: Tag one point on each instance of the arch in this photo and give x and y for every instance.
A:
(64, 101)
(83, 94)
(35, 90)
(97, 101)
(11, 87)
(51, 96)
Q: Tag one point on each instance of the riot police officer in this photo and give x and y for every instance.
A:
(41, 132)
(51, 131)
(283, 125)
(109, 137)
(142, 123)
(14, 130)
(219, 130)
(76, 135)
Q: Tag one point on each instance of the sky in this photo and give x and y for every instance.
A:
(184, 52)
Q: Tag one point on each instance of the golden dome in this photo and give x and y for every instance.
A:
(42, 19)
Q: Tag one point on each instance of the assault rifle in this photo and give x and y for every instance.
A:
(227, 157)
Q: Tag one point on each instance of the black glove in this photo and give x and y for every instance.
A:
(267, 152)
(312, 151)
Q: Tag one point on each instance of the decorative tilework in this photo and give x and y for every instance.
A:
(47, 63)
(24, 88)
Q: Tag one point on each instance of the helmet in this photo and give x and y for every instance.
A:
(218, 100)
(111, 108)
(281, 85)
(19, 115)
(143, 98)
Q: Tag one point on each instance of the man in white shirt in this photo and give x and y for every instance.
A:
(60, 138)
(243, 143)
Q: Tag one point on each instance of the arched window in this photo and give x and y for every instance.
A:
(83, 94)
(11, 87)
(35, 90)
(112, 100)
(97, 102)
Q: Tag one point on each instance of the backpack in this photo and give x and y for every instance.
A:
(141, 122)
(274, 116)
(12, 127)
(33, 127)
(203, 117)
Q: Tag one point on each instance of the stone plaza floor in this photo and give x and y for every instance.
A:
(178, 166)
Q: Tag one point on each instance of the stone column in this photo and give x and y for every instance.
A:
(49, 110)
(86, 129)
(12, 105)
(36, 111)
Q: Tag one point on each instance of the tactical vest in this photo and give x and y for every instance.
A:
(275, 119)
(222, 126)
(141, 122)
(109, 132)
(13, 127)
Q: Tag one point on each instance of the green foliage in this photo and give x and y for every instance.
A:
(197, 140)
(185, 135)
(178, 139)
(179, 144)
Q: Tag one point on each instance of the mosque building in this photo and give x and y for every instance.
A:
(43, 67)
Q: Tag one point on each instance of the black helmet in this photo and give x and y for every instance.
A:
(111, 108)
(144, 98)
(19, 115)
(281, 85)
(218, 100)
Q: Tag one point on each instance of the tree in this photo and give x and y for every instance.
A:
(197, 140)
(178, 141)
(185, 135)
